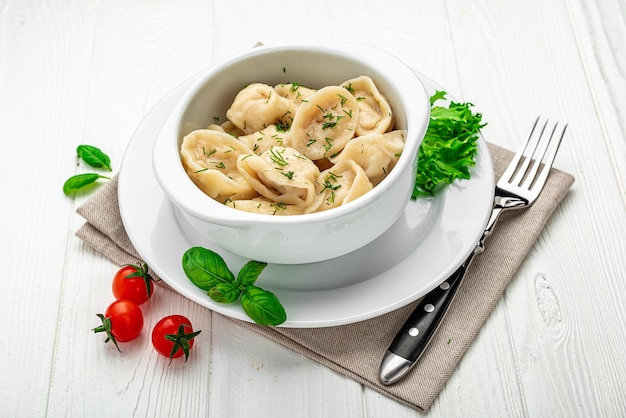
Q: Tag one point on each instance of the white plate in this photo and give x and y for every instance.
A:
(416, 254)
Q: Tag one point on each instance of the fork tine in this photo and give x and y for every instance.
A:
(538, 157)
(512, 168)
(547, 165)
(529, 152)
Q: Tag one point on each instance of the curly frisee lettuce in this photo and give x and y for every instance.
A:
(449, 146)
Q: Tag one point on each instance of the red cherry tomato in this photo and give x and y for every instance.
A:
(173, 336)
(133, 283)
(122, 321)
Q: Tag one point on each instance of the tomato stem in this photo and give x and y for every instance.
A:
(142, 271)
(181, 341)
(106, 327)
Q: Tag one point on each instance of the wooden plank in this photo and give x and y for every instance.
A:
(136, 56)
(252, 375)
(550, 304)
(600, 39)
(43, 80)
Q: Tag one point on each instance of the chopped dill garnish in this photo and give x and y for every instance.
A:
(277, 157)
(328, 185)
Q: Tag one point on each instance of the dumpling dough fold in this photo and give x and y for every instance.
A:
(375, 115)
(210, 159)
(325, 123)
(282, 175)
(295, 92)
(261, 141)
(258, 106)
(377, 154)
(343, 183)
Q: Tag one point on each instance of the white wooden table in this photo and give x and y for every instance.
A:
(85, 71)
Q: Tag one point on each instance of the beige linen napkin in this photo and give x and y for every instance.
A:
(356, 350)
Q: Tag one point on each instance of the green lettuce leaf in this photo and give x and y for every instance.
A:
(449, 146)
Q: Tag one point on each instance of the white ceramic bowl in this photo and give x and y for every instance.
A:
(294, 239)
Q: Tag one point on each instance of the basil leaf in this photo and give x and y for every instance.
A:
(94, 157)
(206, 268)
(250, 272)
(79, 181)
(225, 293)
(262, 306)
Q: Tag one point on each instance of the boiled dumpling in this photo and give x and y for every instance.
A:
(282, 175)
(295, 92)
(230, 128)
(210, 159)
(261, 141)
(325, 123)
(342, 183)
(377, 154)
(375, 115)
(258, 106)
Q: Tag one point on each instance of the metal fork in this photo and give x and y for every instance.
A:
(518, 187)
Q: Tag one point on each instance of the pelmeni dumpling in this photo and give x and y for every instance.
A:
(261, 141)
(265, 206)
(231, 129)
(215, 127)
(210, 159)
(376, 115)
(342, 183)
(257, 106)
(281, 174)
(294, 92)
(377, 154)
(226, 127)
(325, 123)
